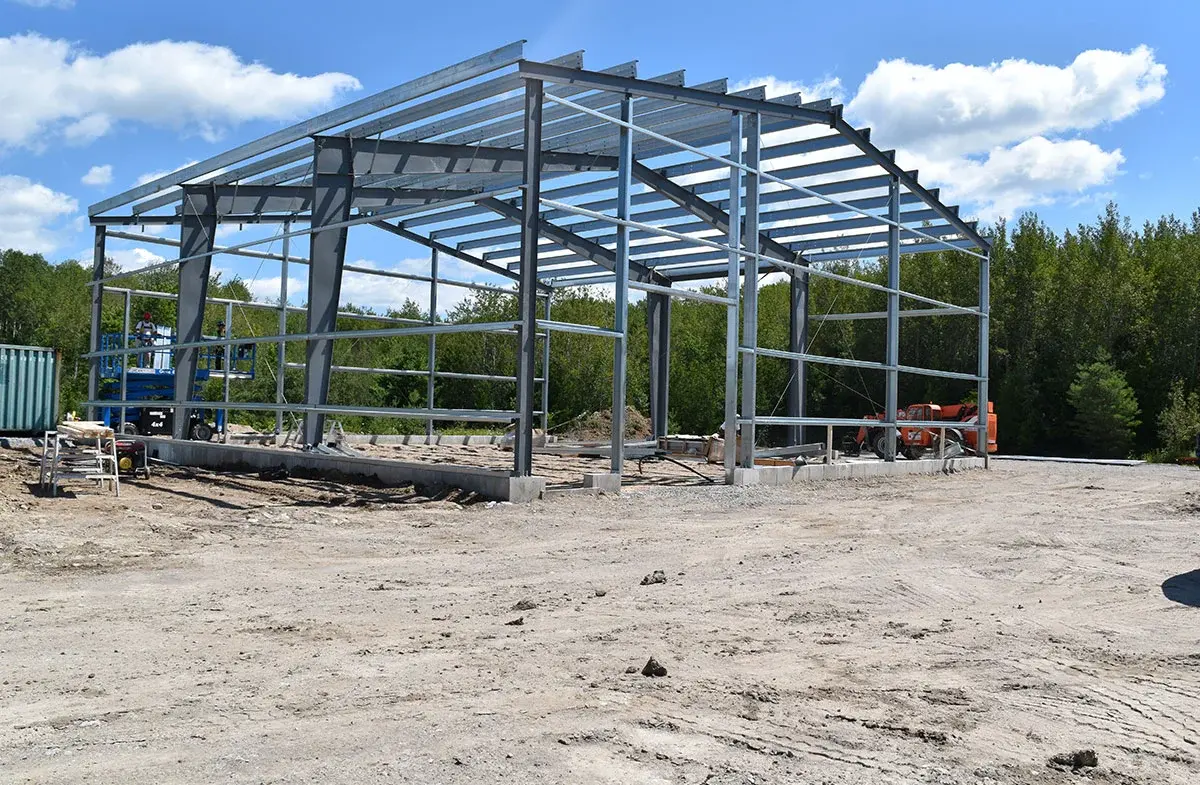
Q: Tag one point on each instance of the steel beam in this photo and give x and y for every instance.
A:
(597, 81)
(332, 195)
(196, 235)
(385, 156)
(621, 289)
(581, 246)
(892, 382)
(400, 231)
(527, 288)
(658, 329)
(438, 80)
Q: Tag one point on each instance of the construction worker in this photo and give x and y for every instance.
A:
(146, 331)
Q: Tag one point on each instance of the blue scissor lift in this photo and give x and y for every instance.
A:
(151, 377)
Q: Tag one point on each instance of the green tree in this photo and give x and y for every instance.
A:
(1179, 422)
(1106, 410)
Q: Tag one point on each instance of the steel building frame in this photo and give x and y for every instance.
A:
(554, 176)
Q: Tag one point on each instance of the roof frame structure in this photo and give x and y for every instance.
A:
(654, 184)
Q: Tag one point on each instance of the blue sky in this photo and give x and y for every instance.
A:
(1053, 106)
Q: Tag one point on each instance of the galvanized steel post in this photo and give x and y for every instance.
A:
(797, 344)
(621, 304)
(750, 239)
(527, 287)
(431, 362)
(228, 370)
(731, 312)
(658, 331)
(892, 387)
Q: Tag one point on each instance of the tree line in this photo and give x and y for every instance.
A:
(1095, 341)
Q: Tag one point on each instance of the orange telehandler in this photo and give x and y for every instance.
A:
(961, 421)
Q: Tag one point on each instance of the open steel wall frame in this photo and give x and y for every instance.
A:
(650, 184)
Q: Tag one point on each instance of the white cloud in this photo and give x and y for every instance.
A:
(142, 179)
(62, 4)
(31, 214)
(826, 87)
(992, 135)
(1033, 172)
(133, 258)
(51, 87)
(98, 175)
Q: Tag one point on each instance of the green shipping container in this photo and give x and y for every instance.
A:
(28, 389)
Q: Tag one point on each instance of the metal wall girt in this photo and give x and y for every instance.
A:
(197, 232)
(332, 197)
(598, 81)
(468, 69)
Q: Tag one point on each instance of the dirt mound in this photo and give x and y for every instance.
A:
(598, 425)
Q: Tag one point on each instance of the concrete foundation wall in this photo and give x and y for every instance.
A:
(492, 483)
(781, 475)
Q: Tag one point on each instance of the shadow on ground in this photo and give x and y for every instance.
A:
(1183, 588)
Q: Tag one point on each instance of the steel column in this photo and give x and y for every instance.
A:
(621, 304)
(333, 185)
(432, 361)
(283, 310)
(527, 288)
(892, 386)
(658, 328)
(750, 294)
(125, 360)
(734, 240)
(985, 297)
(97, 306)
(798, 344)
(197, 233)
(228, 369)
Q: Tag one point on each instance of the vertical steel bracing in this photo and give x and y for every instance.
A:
(985, 274)
(432, 361)
(527, 287)
(283, 305)
(797, 344)
(658, 330)
(892, 384)
(734, 241)
(197, 234)
(750, 294)
(333, 185)
(97, 303)
(621, 303)
(125, 360)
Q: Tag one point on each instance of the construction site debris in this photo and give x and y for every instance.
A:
(525, 605)
(517, 622)
(658, 576)
(601, 592)
(598, 425)
(653, 668)
(1079, 759)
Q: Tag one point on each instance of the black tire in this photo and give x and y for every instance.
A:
(202, 432)
(879, 445)
(129, 429)
(914, 453)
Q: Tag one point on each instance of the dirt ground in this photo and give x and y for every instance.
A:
(949, 629)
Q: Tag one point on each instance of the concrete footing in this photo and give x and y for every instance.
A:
(492, 483)
(604, 483)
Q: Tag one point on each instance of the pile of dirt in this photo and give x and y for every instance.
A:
(598, 425)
